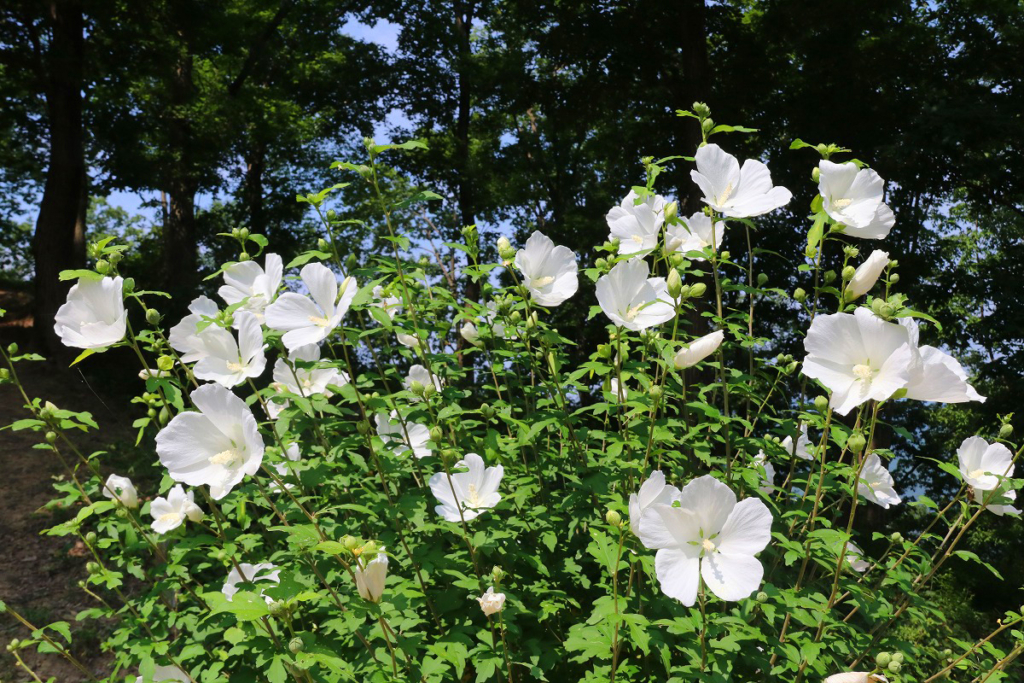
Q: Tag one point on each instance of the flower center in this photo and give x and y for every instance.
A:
(976, 474)
(724, 197)
(863, 372)
(319, 322)
(472, 497)
(709, 546)
(632, 312)
(543, 281)
(171, 517)
(229, 458)
(841, 203)
(235, 367)
(639, 239)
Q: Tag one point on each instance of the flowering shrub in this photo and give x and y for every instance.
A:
(469, 505)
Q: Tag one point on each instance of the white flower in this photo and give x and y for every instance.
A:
(371, 576)
(654, 491)
(168, 513)
(214, 447)
(165, 673)
(418, 373)
(470, 333)
(766, 471)
(184, 336)
(935, 375)
(637, 226)
(619, 391)
(984, 465)
(491, 602)
(472, 492)
(401, 437)
(853, 198)
(147, 373)
(855, 558)
(251, 573)
(391, 304)
(1000, 503)
(867, 274)
(733, 191)
(307, 320)
(630, 299)
(876, 483)
(802, 449)
(257, 287)
(698, 349)
(227, 362)
(693, 235)
(859, 357)
(549, 272)
(291, 452)
(410, 340)
(122, 490)
(93, 317)
(304, 381)
(857, 677)
(711, 536)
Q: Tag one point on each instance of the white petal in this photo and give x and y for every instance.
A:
(731, 577)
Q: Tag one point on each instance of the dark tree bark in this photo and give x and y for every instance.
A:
(693, 40)
(180, 251)
(464, 187)
(59, 241)
(255, 167)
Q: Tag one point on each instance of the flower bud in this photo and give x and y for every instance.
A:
(702, 110)
(165, 363)
(416, 387)
(497, 574)
(436, 434)
(725, 255)
(5, 374)
(351, 262)
(515, 317)
(51, 437)
(15, 642)
(894, 278)
(886, 310)
(278, 609)
(761, 597)
(876, 306)
(604, 350)
(882, 660)
(164, 416)
(90, 538)
(487, 411)
(244, 256)
(816, 174)
(791, 368)
(151, 413)
(897, 657)
(830, 277)
(552, 365)
(93, 567)
(896, 537)
(821, 403)
(505, 250)
(129, 285)
(12, 349)
(323, 245)
(697, 290)
(762, 279)
(363, 427)
(676, 259)
(707, 125)
(613, 518)
(102, 267)
(655, 393)
(332, 214)
(856, 442)
(674, 283)
(671, 211)
(799, 294)
(849, 272)
(895, 666)
(350, 542)
(601, 263)
(295, 645)
(449, 455)
(1006, 431)
(243, 234)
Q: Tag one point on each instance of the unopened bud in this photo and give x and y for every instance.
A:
(243, 233)
(887, 310)
(707, 125)
(897, 657)
(613, 518)
(894, 278)
(350, 542)
(702, 110)
(295, 645)
(515, 317)
(351, 262)
(129, 285)
(363, 427)
(882, 659)
(505, 250)
(674, 283)
(151, 412)
(429, 390)
(698, 290)
(416, 387)
(604, 350)
(436, 434)
(552, 365)
(601, 263)
(761, 597)
(369, 549)
(1006, 431)
(487, 411)
(165, 363)
(244, 256)
(51, 437)
(830, 277)
(896, 537)
(762, 279)
(676, 259)
(12, 349)
(671, 210)
(821, 403)
(895, 666)
(152, 316)
(90, 538)
(497, 573)
(93, 567)
(876, 305)
(816, 174)
(791, 368)
(725, 255)
(655, 393)
(102, 267)
(278, 609)
(5, 374)
(323, 244)
(800, 295)
(165, 416)
(849, 272)
(449, 455)
(856, 442)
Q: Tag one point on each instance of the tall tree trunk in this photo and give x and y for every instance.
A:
(255, 167)
(180, 248)
(59, 241)
(693, 42)
(467, 216)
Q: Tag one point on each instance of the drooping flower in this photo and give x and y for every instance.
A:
(857, 677)
(766, 471)
(371, 576)
(853, 198)
(876, 484)
(251, 573)
(709, 535)
(855, 558)
(802, 449)
(401, 436)
(866, 275)
(632, 300)
(698, 349)
(549, 272)
(214, 447)
(228, 362)
(473, 492)
(859, 357)
(470, 333)
(637, 226)
(654, 491)
(733, 191)
(410, 340)
(391, 304)
(93, 317)
(936, 375)
(161, 674)
(122, 490)
(491, 602)
(983, 465)
(169, 513)
(309, 320)
(248, 282)
(418, 373)
(694, 235)
(147, 373)
(304, 381)
(999, 503)
(184, 336)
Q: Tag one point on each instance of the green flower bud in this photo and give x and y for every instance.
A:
(897, 657)
(882, 659)
(674, 283)
(102, 267)
(707, 125)
(698, 290)
(152, 316)
(613, 518)
(12, 349)
(894, 278)
(791, 368)
(893, 263)
(604, 350)
(295, 645)
(449, 455)
(515, 317)
(5, 374)
(416, 387)
(151, 412)
(350, 542)
(51, 437)
(947, 652)
(1005, 431)
(601, 263)
(429, 390)
(323, 245)
(895, 666)
(497, 574)
(655, 393)
(702, 110)
(15, 642)
(351, 262)
(244, 256)
(799, 294)
(671, 210)
(165, 416)
(129, 285)
(676, 259)
(90, 538)
(816, 174)
(165, 363)
(505, 250)
(363, 427)
(821, 403)
(856, 442)
(896, 537)
(436, 434)
(762, 279)
(876, 306)
(830, 277)
(761, 597)
(243, 233)
(278, 609)
(369, 549)
(487, 411)
(849, 272)
(887, 311)
(725, 255)
(93, 567)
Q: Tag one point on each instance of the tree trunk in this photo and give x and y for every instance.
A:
(255, 167)
(180, 271)
(463, 27)
(59, 241)
(693, 42)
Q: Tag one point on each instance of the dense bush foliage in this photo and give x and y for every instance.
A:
(466, 504)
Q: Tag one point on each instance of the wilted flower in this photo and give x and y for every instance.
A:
(371, 576)
(491, 602)
(654, 491)
(309, 320)
(984, 465)
(472, 492)
(733, 191)
(400, 436)
(391, 304)
(169, 513)
(549, 272)
(147, 373)
(184, 336)
(93, 317)
(766, 471)
(227, 362)
(637, 226)
(698, 349)
(304, 381)
(630, 299)
(247, 281)
(876, 483)
(853, 198)
(859, 357)
(122, 490)
(709, 535)
(410, 340)
(418, 373)
(936, 375)
(251, 573)
(214, 447)
(802, 449)
(165, 673)
(694, 235)
(866, 275)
